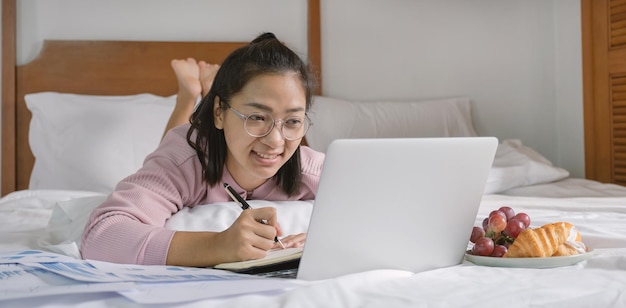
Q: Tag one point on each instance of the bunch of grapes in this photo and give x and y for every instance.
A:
(498, 232)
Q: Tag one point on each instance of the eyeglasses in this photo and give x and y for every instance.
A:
(260, 124)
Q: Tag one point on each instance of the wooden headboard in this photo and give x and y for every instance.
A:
(96, 68)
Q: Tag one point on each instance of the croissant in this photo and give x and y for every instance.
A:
(572, 246)
(565, 249)
(549, 240)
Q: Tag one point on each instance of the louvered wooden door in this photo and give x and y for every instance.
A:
(604, 84)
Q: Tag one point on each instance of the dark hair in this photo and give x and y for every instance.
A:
(264, 55)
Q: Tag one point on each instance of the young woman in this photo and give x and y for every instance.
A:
(246, 132)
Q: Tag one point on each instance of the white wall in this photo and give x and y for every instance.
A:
(518, 60)
(181, 20)
(568, 87)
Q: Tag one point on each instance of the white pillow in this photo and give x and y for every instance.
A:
(293, 216)
(516, 165)
(85, 142)
(65, 227)
(335, 118)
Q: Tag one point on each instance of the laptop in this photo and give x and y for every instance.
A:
(395, 203)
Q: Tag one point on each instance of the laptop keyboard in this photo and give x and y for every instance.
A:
(285, 273)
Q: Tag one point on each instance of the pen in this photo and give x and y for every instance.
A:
(244, 205)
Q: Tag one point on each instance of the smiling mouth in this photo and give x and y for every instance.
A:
(266, 156)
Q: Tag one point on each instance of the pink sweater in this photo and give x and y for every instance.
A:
(129, 226)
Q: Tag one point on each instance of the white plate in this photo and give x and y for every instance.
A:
(528, 262)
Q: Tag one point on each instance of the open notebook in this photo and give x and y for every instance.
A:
(275, 260)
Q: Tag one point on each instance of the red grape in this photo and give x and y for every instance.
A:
(508, 211)
(498, 231)
(477, 233)
(497, 212)
(497, 223)
(483, 247)
(523, 217)
(499, 251)
(514, 227)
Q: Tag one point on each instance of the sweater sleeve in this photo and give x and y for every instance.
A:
(312, 163)
(129, 226)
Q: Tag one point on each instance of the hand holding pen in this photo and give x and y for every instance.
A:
(244, 206)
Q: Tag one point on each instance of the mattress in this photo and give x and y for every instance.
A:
(48, 220)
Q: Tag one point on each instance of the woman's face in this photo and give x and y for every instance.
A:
(253, 160)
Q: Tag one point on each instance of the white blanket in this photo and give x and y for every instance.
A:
(597, 282)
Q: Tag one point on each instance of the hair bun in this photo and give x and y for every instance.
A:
(264, 37)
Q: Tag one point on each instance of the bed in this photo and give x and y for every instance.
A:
(69, 141)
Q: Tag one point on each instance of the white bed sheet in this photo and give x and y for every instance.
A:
(597, 282)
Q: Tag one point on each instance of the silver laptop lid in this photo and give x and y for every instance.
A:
(402, 203)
